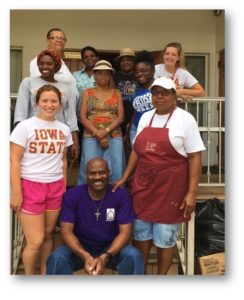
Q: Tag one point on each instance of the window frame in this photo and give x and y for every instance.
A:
(206, 57)
(19, 68)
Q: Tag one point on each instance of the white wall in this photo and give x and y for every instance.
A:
(115, 29)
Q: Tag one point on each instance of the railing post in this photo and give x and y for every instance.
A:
(186, 239)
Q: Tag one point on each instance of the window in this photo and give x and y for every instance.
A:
(197, 65)
(15, 69)
(15, 77)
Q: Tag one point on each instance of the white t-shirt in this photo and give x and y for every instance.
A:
(63, 74)
(183, 130)
(44, 143)
(182, 77)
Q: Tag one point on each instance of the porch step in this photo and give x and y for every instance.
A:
(210, 192)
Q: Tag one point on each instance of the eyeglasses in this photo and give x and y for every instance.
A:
(163, 92)
(143, 71)
(57, 38)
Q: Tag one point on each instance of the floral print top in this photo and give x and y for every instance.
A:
(102, 113)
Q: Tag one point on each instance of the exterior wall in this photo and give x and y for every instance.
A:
(220, 32)
(198, 31)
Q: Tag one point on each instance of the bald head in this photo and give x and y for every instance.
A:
(95, 162)
(97, 176)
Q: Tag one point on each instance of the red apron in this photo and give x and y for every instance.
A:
(161, 177)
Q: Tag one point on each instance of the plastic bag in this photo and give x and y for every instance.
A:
(209, 227)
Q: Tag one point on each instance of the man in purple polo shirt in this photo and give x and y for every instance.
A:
(96, 227)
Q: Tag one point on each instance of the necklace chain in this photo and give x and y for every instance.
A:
(97, 213)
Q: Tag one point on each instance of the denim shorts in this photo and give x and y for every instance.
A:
(163, 235)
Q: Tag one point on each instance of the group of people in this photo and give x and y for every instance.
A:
(129, 129)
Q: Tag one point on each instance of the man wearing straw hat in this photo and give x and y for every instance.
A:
(125, 81)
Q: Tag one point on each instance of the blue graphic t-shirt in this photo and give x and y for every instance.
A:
(127, 85)
(142, 102)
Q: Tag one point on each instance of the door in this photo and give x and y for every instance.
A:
(72, 59)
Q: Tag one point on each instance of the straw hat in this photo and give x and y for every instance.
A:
(103, 65)
(125, 52)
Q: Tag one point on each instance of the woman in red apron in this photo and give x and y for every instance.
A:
(165, 179)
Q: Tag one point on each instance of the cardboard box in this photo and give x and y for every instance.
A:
(213, 264)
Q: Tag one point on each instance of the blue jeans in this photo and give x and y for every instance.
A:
(114, 155)
(129, 261)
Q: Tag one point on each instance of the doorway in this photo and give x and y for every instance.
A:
(72, 58)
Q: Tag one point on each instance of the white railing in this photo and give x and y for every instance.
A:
(16, 242)
(185, 246)
(16, 229)
(209, 114)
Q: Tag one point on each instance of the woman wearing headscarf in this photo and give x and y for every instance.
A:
(49, 63)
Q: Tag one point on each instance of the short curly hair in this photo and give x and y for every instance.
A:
(56, 58)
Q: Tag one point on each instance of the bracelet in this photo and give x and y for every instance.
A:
(107, 129)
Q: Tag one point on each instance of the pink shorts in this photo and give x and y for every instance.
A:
(40, 197)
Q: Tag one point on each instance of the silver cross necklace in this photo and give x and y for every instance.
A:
(97, 213)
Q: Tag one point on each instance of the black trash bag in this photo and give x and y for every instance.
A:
(209, 227)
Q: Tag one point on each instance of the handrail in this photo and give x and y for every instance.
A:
(210, 124)
(17, 242)
(209, 114)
